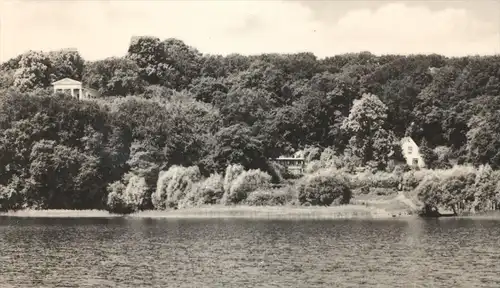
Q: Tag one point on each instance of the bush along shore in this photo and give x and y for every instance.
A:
(177, 130)
(324, 193)
(458, 190)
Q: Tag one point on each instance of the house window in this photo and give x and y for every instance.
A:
(415, 161)
(410, 149)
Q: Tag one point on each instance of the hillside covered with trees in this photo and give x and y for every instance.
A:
(176, 127)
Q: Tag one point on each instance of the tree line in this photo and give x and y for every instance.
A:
(167, 105)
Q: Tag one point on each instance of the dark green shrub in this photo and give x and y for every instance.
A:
(273, 197)
(173, 186)
(267, 197)
(208, 191)
(325, 187)
(232, 172)
(127, 199)
(247, 182)
(9, 198)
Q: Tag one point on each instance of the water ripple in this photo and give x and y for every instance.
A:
(248, 253)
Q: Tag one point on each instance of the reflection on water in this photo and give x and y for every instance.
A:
(47, 252)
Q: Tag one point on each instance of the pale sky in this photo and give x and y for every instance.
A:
(100, 29)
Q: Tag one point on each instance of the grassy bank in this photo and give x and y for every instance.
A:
(361, 207)
(62, 213)
(272, 212)
(354, 211)
(351, 211)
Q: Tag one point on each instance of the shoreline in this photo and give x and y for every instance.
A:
(345, 212)
(219, 212)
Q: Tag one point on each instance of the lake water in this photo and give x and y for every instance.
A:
(249, 253)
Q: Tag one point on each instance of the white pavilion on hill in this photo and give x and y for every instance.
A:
(74, 88)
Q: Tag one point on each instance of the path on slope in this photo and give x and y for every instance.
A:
(401, 197)
(398, 204)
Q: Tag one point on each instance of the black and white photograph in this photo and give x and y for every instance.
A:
(250, 143)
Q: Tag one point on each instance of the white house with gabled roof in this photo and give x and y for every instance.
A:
(74, 88)
(411, 153)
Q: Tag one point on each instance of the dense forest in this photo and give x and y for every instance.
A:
(174, 125)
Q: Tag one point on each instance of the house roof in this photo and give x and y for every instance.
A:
(407, 139)
(289, 158)
(67, 81)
